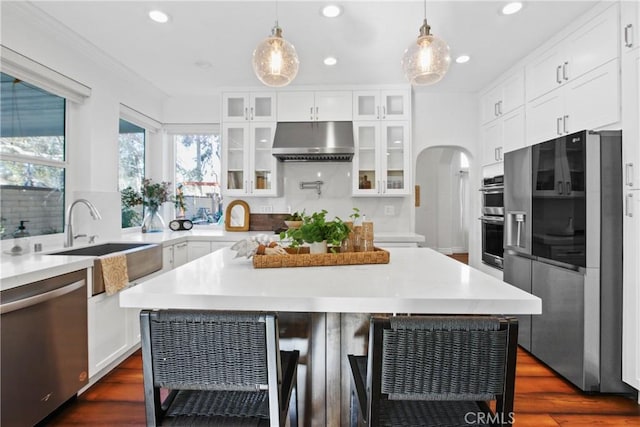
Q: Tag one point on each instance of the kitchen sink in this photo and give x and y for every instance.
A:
(103, 249)
(142, 259)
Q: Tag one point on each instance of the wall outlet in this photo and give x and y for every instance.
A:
(266, 209)
(389, 210)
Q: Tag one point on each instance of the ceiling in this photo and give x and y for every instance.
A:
(208, 44)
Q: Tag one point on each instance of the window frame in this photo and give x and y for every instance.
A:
(144, 168)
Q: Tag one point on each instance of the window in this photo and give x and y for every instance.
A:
(131, 171)
(32, 158)
(197, 176)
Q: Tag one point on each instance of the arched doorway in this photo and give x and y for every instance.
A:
(443, 216)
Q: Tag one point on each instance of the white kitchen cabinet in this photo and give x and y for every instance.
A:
(503, 135)
(587, 102)
(248, 106)
(197, 249)
(631, 289)
(382, 105)
(630, 25)
(249, 168)
(630, 119)
(305, 106)
(107, 329)
(590, 45)
(631, 184)
(174, 256)
(382, 164)
(491, 143)
(504, 97)
(180, 254)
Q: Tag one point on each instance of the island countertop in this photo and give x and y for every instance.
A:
(417, 280)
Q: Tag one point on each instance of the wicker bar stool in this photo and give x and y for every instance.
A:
(435, 371)
(220, 368)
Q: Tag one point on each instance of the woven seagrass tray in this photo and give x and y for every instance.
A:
(294, 259)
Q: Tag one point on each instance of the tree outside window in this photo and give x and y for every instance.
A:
(197, 176)
(131, 171)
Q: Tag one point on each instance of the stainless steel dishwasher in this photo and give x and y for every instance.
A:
(43, 347)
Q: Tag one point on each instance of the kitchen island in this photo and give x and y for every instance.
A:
(340, 299)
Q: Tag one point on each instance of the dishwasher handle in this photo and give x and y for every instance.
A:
(37, 299)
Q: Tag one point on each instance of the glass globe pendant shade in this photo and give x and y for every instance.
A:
(275, 60)
(426, 60)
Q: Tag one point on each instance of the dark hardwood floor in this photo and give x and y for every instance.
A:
(541, 399)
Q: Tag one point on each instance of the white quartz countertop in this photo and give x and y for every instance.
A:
(31, 267)
(416, 280)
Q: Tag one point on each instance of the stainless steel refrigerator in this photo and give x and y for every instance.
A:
(563, 243)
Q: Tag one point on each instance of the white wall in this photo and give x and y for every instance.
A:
(440, 215)
(451, 120)
(92, 127)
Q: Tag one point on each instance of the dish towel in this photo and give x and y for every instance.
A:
(114, 273)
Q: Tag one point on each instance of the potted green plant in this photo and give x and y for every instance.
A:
(317, 231)
(151, 196)
(294, 220)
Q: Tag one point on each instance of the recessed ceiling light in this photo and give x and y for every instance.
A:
(330, 60)
(158, 16)
(462, 59)
(511, 8)
(331, 11)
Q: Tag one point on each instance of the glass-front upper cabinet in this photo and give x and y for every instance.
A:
(382, 105)
(249, 166)
(245, 106)
(262, 164)
(381, 164)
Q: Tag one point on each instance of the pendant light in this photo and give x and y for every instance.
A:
(426, 60)
(275, 60)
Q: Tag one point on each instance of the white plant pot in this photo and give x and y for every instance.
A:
(318, 247)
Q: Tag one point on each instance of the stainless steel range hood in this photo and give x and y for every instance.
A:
(314, 142)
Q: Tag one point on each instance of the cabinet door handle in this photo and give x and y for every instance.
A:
(558, 79)
(495, 109)
(251, 116)
(495, 154)
(628, 35)
(378, 112)
(560, 189)
(251, 188)
(500, 108)
(384, 186)
(317, 113)
(628, 206)
(246, 186)
(501, 157)
(568, 187)
(246, 113)
(565, 73)
(565, 120)
(628, 174)
(384, 112)
(558, 120)
(311, 113)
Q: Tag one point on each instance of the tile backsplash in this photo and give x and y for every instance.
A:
(390, 214)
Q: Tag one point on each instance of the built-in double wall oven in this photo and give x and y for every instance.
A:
(492, 220)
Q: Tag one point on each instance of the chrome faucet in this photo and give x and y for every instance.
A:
(68, 242)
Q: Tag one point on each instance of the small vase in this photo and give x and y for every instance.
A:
(318, 247)
(152, 222)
